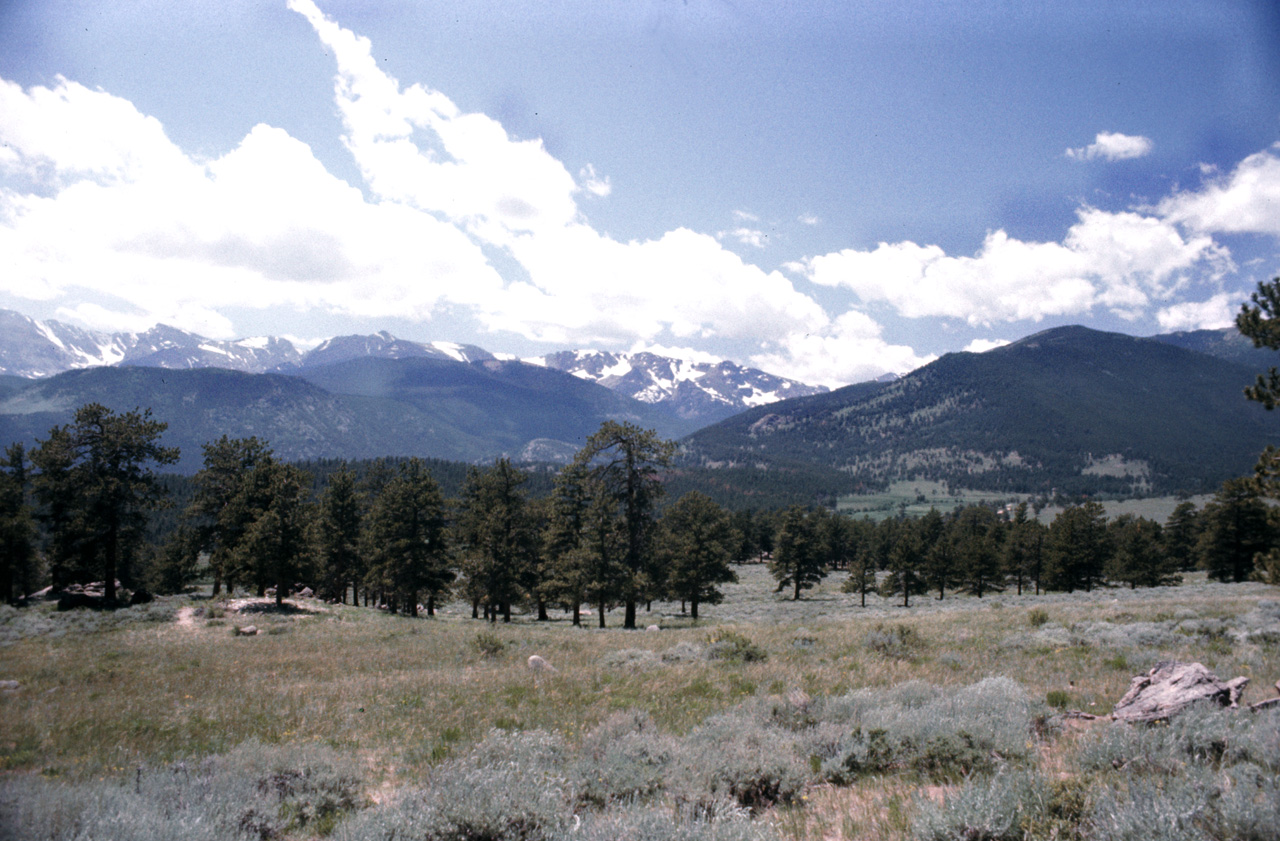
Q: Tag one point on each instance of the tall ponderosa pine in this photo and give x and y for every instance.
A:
(1237, 530)
(17, 528)
(1138, 557)
(862, 559)
(1024, 549)
(905, 559)
(697, 541)
(799, 558)
(624, 461)
(1077, 548)
(567, 574)
(1180, 535)
(274, 548)
(337, 537)
(97, 473)
(937, 541)
(977, 535)
(218, 525)
(405, 540)
(496, 536)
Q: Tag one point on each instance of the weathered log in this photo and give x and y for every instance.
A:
(1171, 687)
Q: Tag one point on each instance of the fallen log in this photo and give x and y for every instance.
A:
(1171, 687)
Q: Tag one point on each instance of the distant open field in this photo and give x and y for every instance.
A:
(109, 702)
(915, 498)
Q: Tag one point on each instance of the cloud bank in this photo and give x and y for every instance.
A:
(104, 215)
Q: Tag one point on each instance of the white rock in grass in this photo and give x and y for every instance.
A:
(539, 665)
(247, 631)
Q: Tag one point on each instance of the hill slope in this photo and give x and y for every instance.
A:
(362, 408)
(1071, 409)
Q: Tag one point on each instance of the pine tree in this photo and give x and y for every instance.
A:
(938, 545)
(496, 535)
(1077, 548)
(1180, 535)
(1024, 549)
(862, 563)
(1236, 531)
(100, 466)
(405, 539)
(218, 525)
(336, 538)
(906, 557)
(17, 528)
(624, 462)
(1138, 556)
(274, 548)
(697, 539)
(976, 534)
(567, 575)
(799, 558)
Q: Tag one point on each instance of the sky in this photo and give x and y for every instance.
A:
(826, 190)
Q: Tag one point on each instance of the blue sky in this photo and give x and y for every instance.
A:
(825, 190)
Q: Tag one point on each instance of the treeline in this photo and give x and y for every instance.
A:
(981, 550)
(76, 509)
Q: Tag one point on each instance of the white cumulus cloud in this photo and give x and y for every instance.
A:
(1246, 201)
(850, 350)
(984, 345)
(1214, 313)
(1113, 146)
(1120, 261)
(414, 146)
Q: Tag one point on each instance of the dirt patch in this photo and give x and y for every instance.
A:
(186, 618)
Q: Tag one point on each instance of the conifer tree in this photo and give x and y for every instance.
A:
(697, 540)
(977, 537)
(338, 524)
(405, 539)
(905, 559)
(219, 526)
(496, 535)
(1138, 556)
(862, 563)
(624, 461)
(799, 560)
(96, 473)
(938, 545)
(1180, 535)
(1077, 548)
(567, 574)
(1024, 549)
(1237, 530)
(17, 528)
(274, 549)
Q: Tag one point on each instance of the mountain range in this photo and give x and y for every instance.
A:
(698, 392)
(1071, 409)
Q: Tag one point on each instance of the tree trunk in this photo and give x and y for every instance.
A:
(1171, 687)
(796, 597)
(577, 614)
(629, 617)
(602, 613)
(542, 611)
(506, 612)
(693, 608)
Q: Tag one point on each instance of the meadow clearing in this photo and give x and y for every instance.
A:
(816, 719)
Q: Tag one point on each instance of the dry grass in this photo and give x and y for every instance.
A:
(405, 694)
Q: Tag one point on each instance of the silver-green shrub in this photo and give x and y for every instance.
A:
(940, 732)
(253, 792)
(736, 758)
(623, 759)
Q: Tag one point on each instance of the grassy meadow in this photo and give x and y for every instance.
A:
(881, 722)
